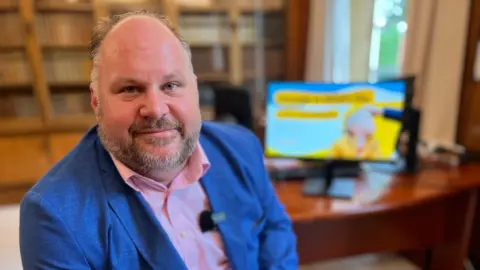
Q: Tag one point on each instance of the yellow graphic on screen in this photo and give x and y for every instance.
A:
(299, 114)
(289, 97)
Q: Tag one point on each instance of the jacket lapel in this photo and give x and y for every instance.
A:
(132, 210)
(223, 201)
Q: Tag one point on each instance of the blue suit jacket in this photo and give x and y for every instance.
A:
(81, 214)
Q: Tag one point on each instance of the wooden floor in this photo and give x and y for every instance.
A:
(10, 257)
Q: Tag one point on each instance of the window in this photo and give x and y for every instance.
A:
(388, 38)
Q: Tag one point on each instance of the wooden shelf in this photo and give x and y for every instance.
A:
(123, 7)
(213, 76)
(71, 123)
(4, 48)
(226, 43)
(252, 75)
(225, 9)
(200, 9)
(16, 88)
(8, 8)
(29, 126)
(64, 7)
(65, 86)
(20, 126)
(65, 47)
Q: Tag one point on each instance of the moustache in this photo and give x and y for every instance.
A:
(161, 124)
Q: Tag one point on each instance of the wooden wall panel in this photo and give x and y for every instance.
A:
(468, 130)
(62, 143)
(296, 38)
(23, 159)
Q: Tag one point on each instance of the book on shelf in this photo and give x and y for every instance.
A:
(65, 104)
(13, 35)
(8, 4)
(200, 29)
(210, 59)
(14, 68)
(18, 105)
(63, 29)
(67, 66)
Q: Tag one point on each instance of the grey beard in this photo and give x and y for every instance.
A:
(143, 162)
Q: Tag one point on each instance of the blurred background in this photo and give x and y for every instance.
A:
(238, 47)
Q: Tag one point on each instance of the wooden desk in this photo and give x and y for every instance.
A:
(433, 209)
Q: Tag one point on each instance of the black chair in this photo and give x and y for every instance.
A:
(232, 103)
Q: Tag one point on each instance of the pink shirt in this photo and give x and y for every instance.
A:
(178, 207)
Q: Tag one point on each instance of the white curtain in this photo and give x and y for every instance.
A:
(338, 40)
(314, 62)
(361, 24)
(434, 53)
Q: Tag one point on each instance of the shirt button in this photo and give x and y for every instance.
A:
(183, 234)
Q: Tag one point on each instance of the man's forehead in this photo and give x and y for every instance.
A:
(139, 33)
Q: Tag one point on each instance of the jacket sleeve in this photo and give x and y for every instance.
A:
(45, 240)
(277, 239)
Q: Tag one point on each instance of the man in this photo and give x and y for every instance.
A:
(130, 194)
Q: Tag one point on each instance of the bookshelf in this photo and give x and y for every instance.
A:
(45, 69)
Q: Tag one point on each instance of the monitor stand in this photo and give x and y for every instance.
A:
(337, 181)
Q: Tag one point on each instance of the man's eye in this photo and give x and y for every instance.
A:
(170, 86)
(130, 89)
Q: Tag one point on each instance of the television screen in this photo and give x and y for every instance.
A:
(327, 121)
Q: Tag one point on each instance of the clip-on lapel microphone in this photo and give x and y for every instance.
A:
(209, 221)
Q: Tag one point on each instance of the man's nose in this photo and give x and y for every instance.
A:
(154, 104)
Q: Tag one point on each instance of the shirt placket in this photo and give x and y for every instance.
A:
(181, 229)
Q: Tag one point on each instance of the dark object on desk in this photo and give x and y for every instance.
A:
(233, 104)
(315, 170)
(330, 179)
(336, 181)
(291, 174)
(412, 127)
(407, 143)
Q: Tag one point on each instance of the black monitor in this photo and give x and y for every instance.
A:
(339, 125)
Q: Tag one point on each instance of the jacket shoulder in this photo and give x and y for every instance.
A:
(237, 138)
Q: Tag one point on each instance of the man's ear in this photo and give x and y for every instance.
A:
(93, 99)
(195, 80)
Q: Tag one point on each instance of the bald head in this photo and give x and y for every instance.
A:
(142, 26)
